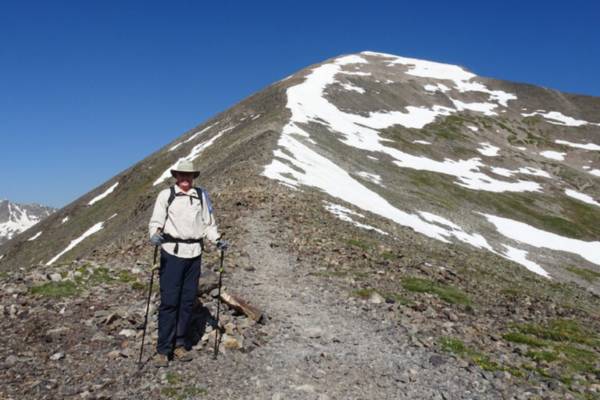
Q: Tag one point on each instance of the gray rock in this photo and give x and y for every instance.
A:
(11, 360)
(208, 281)
(376, 298)
(55, 277)
(436, 360)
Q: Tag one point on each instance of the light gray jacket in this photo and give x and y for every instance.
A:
(188, 219)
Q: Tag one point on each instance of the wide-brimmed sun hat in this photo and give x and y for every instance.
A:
(185, 166)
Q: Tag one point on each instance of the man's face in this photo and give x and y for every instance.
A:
(184, 180)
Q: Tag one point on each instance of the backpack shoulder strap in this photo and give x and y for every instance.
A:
(171, 196)
(199, 192)
(169, 201)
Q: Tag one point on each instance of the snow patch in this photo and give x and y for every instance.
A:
(473, 128)
(595, 172)
(421, 142)
(485, 108)
(37, 235)
(96, 228)
(585, 146)
(535, 237)
(581, 197)
(502, 171)
(498, 96)
(557, 118)
(523, 170)
(440, 87)
(174, 147)
(553, 155)
(488, 150)
(351, 87)
(475, 239)
(344, 214)
(520, 257)
(534, 172)
(65, 219)
(103, 195)
(370, 177)
(195, 135)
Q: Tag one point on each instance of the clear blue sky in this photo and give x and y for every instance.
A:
(87, 88)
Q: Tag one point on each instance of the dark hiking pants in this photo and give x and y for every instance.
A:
(178, 290)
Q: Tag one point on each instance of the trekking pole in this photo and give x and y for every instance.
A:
(217, 330)
(147, 306)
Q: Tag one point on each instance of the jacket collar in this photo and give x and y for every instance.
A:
(179, 190)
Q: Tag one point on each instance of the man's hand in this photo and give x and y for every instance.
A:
(222, 244)
(157, 238)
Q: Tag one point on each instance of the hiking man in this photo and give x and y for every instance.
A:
(182, 218)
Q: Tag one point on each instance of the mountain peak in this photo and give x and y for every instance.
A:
(16, 218)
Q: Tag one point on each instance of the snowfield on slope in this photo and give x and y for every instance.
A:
(307, 103)
(298, 163)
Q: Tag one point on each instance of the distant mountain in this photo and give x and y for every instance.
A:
(16, 218)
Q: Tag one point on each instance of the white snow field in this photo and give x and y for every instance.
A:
(297, 163)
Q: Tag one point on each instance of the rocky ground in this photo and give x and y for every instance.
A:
(345, 317)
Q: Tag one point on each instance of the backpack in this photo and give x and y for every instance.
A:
(173, 194)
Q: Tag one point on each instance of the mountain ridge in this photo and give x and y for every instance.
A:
(423, 202)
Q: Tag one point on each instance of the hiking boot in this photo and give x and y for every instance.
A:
(181, 354)
(160, 360)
